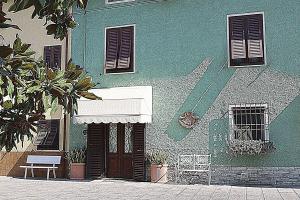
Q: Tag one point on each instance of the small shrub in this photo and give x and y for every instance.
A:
(77, 155)
(157, 157)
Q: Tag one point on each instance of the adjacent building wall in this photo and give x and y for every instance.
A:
(32, 32)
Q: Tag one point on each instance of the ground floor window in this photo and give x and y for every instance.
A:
(249, 122)
(48, 135)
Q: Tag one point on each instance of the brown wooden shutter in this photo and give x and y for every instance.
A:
(112, 47)
(255, 36)
(237, 37)
(47, 56)
(125, 54)
(139, 152)
(42, 132)
(96, 150)
(53, 133)
(52, 56)
(48, 131)
(56, 57)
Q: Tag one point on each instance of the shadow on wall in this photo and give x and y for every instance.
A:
(10, 163)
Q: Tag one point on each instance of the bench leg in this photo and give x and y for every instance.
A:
(25, 174)
(48, 171)
(54, 174)
(32, 174)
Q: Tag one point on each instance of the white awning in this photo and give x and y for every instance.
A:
(122, 104)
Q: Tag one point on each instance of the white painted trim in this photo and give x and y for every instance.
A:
(134, 45)
(266, 118)
(120, 1)
(264, 39)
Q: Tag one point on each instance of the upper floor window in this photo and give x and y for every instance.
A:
(52, 57)
(246, 40)
(117, 1)
(249, 122)
(119, 54)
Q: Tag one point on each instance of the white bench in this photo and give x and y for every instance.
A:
(42, 162)
(194, 163)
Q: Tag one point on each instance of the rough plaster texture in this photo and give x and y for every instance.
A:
(168, 47)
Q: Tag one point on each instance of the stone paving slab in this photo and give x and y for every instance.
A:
(31, 189)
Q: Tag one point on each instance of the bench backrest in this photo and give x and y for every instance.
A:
(34, 159)
(194, 162)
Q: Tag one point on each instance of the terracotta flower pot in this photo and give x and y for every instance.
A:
(77, 171)
(159, 173)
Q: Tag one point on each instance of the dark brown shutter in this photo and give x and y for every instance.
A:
(52, 56)
(48, 131)
(237, 37)
(56, 57)
(139, 152)
(96, 150)
(42, 132)
(53, 133)
(47, 55)
(125, 53)
(112, 47)
(255, 36)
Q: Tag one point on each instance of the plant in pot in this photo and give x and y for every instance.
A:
(159, 167)
(77, 159)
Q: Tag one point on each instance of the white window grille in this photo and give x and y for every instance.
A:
(249, 122)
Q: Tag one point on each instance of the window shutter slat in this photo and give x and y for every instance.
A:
(237, 38)
(112, 45)
(255, 36)
(125, 48)
(53, 132)
(47, 56)
(56, 57)
(42, 133)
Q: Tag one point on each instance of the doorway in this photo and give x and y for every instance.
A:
(119, 151)
(116, 150)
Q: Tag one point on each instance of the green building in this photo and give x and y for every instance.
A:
(222, 75)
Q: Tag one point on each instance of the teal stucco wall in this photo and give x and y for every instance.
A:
(172, 38)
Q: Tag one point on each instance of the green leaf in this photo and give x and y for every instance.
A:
(4, 25)
(17, 44)
(89, 95)
(45, 99)
(54, 105)
(7, 104)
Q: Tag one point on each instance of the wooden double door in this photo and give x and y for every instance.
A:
(120, 151)
(116, 150)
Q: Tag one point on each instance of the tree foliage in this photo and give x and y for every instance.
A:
(28, 88)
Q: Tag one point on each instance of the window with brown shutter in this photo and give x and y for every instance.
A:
(119, 56)
(48, 135)
(52, 56)
(246, 40)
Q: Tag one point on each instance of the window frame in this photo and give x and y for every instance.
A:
(116, 2)
(264, 40)
(266, 118)
(134, 45)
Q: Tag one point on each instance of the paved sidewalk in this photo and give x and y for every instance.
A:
(13, 188)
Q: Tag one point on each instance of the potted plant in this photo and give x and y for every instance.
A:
(77, 159)
(159, 167)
